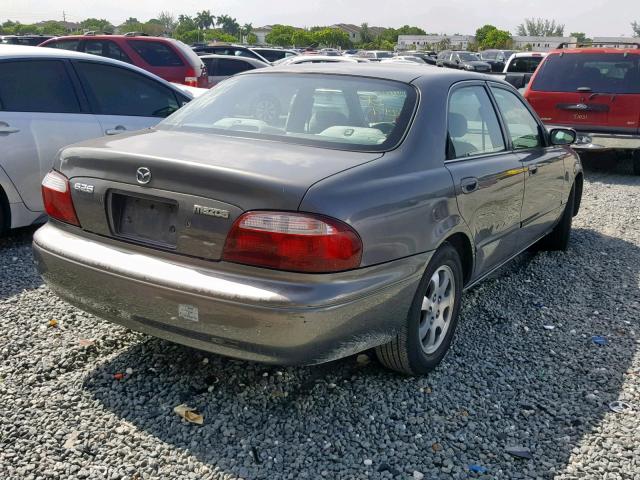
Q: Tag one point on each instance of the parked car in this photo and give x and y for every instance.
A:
(27, 40)
(496, 58)
(220, 67)
(463, 61)
(232, 50)
(428, 57)
(595, 91)
(50, 98)
(301, 59)
(405, 58)
(520, 68)
(309, 240)
(274, 54)
(167, 58)
(375, 55)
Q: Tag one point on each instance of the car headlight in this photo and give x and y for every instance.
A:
(469, 67)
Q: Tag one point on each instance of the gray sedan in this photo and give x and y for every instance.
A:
(353, 219)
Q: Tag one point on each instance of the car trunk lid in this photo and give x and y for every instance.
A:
(197, 184)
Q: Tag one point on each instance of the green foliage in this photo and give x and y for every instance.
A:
(635, 26)
(282, 35)
(538, 27)
(228, 25)
(204, 20)
(97, 25)
(252, 39)
(580, 37)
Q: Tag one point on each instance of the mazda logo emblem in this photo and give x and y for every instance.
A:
(143, 175)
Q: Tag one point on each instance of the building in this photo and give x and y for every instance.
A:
(539, 44)
(354, 31)
(613, 41)
(435, 42)
(261, 34)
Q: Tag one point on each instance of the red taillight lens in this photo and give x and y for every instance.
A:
(296, 242)
(191, 78)
(56, 195)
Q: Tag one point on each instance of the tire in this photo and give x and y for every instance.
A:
(558, 238)
(5, 217)
(408, 353)
(635, 159)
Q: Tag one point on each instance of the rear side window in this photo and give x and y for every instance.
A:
(596, 72)
(65, 44)
(231, 67)
(473, 125)
(119, 91)
(22, 87)
(156, 54)
(272, 55)
(106, 48)
(524, 64)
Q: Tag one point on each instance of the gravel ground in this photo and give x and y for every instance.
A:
(509, 381)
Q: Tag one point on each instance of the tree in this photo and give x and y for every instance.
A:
(538, 27)
(281, 35)
(52, 27)
(97, 25)
(168, 22)
(365, 35)
(228, 24)
(580, 37)
(482, 32)
(496, 39)
(204, 19)
(331, 37)
(252, 39)
(635, 26)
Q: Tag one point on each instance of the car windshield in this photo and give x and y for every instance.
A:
(597, 72)
(334, 111)
(385, 55)
(467, 57)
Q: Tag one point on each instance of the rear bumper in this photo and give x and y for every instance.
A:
(601, 141)
(243, 312)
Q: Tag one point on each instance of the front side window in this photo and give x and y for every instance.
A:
(524, 64)
(472, 124)
(119, 91)
(36, 86)
(156, 54)
(522, 126)
(335, 111)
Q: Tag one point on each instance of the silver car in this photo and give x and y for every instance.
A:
(50, 98)
(353, 219)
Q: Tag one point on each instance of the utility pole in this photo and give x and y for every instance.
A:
(64, 16)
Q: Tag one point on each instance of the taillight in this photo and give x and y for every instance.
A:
(191, 79)
(56, 196)
(297, 242)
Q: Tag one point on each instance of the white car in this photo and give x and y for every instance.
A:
(50, 98)
(315, 59)
(523, 62)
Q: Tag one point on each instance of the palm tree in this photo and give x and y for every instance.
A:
(204, 19)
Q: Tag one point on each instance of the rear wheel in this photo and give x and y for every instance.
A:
(5, 216)
(558, 238)
(426, 335)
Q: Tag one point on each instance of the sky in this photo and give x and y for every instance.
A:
(594, 17)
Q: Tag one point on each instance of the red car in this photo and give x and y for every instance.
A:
(595, 91)
(168, 58)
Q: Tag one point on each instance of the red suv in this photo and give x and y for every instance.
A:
(595, 91)
(168, 58)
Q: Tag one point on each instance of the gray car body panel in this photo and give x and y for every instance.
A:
(404, 203)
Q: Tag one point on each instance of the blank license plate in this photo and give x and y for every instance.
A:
(146, 220)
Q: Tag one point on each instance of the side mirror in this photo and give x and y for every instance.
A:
(562, 136)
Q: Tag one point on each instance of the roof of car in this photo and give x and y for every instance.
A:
(630, 49)
(110, 37)
(388, 71)
(21, 51)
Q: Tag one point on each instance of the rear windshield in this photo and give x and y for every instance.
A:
(334, 111)
(524, 64)
(597, 72)
(156, 54)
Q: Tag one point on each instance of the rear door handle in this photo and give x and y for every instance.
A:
(7, 129)
(533, 169)
(115, 131)
(469, 184)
